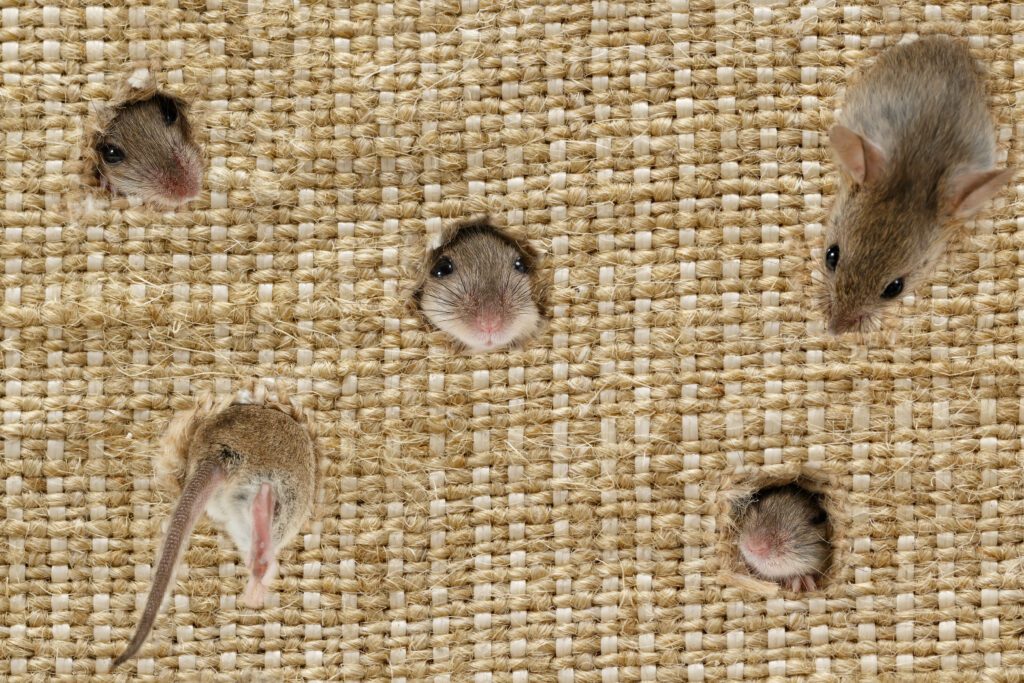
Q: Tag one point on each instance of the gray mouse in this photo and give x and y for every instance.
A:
(916, 149)
(480, 288)
(252, 469)
(147, 151)
(784, 536)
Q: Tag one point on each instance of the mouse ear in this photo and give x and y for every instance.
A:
(967, 191)
(862, 159)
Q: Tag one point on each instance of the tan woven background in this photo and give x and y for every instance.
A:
(556, 514)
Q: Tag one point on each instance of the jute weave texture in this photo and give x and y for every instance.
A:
(557, 513)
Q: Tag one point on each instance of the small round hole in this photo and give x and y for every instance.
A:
(783, 535)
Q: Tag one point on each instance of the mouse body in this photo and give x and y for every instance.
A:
(915, 146)
(480, 289)
(784, 536)
(252, 469)
(146, 150)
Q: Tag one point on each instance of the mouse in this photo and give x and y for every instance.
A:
(916, 151)
(252, 470)
(784, 536)
(480, 288)
(146, 150)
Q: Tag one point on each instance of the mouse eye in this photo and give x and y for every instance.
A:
(820, 518)
(443, 267)
(168, 109)
(893, 289)
(112, 154)
(520, 265)
(832, 257)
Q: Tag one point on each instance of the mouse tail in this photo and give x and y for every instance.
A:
(208, 475)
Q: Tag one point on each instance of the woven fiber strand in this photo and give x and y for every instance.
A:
(557, 513)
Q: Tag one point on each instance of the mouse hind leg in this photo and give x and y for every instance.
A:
(261, 560)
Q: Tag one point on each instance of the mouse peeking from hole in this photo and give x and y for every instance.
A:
(143, 148)
(916, 150)
(784, 536)
(253, 470)
(481, 288)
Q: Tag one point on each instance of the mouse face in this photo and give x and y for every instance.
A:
(784, 536)
(147, 152)
(875, 253)
(479, 289)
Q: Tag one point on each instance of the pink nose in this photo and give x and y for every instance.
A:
(845, 324)
(184, 182)
(488, 323)
(760, 547)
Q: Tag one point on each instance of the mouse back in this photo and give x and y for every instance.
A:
(915, 146)
(265, 438)
(260, 444)
(923, 103)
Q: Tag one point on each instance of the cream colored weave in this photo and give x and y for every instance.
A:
(560, 513)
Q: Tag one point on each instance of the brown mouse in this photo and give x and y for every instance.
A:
(916, 149)
(784, 536)
(147, 151)
(252, 469)
(480, 288)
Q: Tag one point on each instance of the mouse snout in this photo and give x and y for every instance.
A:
(178, 178)
(182, 180)
(845, 315)
(759, 546)
(841, 324)
(489, 322)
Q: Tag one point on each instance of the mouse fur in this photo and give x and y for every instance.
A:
(144, 148)
(480, 287)
(916, 150)
(783, 536)
(235, 459)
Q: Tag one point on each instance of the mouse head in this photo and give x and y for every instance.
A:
(784, 532)
(479, 288)
(885, 230)
(146, 150)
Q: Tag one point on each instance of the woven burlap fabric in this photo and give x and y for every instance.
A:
(559, 513)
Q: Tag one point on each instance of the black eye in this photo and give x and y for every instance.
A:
(832, 257)
(520, 265)
(168, 109)
(443, 267)
(820, 518)
(893, 289)
(111, 154)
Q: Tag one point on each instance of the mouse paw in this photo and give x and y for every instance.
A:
(259, 581)
(799, 584)
(254, 594)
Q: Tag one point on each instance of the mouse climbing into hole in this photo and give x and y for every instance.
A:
(146, 150)
(480, 288)
(784, 536)
(252, 470)
(916, 149)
